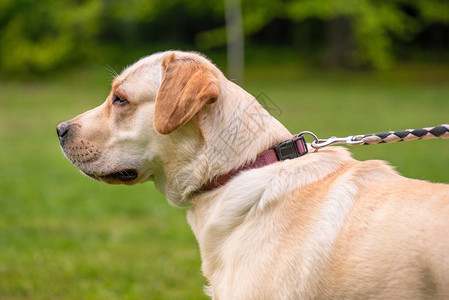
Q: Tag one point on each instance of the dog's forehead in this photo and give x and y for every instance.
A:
(152, 63)
(144, 64)
(149, 70)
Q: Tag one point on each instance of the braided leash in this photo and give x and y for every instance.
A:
(437, 132)
(441, 132)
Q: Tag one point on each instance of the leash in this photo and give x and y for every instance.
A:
(437, 132)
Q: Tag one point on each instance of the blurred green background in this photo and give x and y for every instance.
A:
(335, 67)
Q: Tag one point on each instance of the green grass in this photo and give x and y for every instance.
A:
(64, 236)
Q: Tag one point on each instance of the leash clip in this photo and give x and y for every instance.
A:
(349, 140)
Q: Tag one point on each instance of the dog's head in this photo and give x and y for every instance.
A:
(131, 136)
(173, 118)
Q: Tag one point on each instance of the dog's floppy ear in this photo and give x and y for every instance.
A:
(186, 87)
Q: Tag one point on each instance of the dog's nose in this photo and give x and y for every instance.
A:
(63, 130)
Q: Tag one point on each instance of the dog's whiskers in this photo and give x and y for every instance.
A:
(111, 70)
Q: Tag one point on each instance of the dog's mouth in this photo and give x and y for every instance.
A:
(125, 176)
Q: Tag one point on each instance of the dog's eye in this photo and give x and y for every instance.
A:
(119, 101)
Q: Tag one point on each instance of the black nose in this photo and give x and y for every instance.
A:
(63, 130)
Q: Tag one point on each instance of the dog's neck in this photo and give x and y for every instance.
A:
(238, 129)
(235, 130)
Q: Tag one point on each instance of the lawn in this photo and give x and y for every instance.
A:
(64, 236)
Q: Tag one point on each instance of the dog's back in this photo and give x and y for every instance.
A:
(394, 243)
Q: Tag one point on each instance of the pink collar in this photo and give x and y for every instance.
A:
(288, 149)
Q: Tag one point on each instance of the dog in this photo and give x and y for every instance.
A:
(319, 226)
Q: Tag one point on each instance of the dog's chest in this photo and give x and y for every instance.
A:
(269, 255)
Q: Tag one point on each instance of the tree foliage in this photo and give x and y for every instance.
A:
(41, 35)
(374, 22)
(38, 36)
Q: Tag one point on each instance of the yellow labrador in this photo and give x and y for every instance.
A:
(321, 226)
